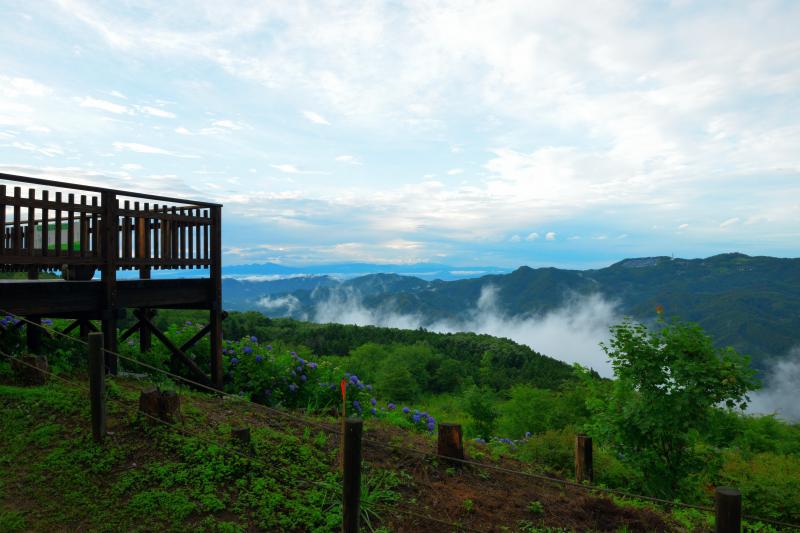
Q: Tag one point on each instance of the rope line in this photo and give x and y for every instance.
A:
(427, 517)
(402, 448)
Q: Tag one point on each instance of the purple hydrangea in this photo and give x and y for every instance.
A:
(373, 411)
(293, 354)
(301, 360)
(373, 401)
(259, 359)
(431, 425)
(391, 406)
(299, 368)
(303, 377)
(357, 405)
(406, 410)
(234, 361)
(247, 350)
(312, 366)
(253, 339)
(415, 418)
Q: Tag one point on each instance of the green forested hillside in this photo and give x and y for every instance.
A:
(750, 303)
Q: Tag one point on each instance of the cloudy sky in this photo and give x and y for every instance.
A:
(489, 133)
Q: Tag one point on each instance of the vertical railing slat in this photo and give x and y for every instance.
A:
(83, 227)
(57, 243)
(96, 246)
(31, 222)
(71, 225)
(17, 236)
(3, 218)
(45, 221)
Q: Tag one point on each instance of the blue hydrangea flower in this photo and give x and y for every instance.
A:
(391, 406)
(188, 322)
(431, 425)
(303, 377)
(415, 418)
(301, 360)
(373, 411)
(253, 339)
(357, 405)
(312, 366)
(527, 434)
(234, 360)
(369, 387)
(259, 359)
(299, 368)
(373, 401)
(47, 321)
(406, 410)
(294, 374)
(269, 346)
(247, 350)
(292, 387)
(293, 354)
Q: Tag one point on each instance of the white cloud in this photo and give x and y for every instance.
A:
(131, 166)
(147, 149)
(118, 95)
(350, 159)
(532, 236)
(286, 167)
(228, 124)
(683, 226)
(729, 222)
(21, 87)
(455, 171)
(550, 236)
(316, 118)
(515, 238)
(779, 395)
(155, 111)
(104, 105)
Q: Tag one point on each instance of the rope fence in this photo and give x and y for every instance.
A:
(456, 458)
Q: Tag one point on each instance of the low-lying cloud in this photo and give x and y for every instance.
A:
(571, 333)
(780, 391)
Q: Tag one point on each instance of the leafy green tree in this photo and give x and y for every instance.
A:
(667, 384)
(479, 405)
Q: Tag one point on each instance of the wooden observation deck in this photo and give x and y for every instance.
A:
(79, 230)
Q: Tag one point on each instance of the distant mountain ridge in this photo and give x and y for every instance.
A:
(751, 303)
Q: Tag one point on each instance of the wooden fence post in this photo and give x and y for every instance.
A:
(97, 385)
(449, 442)
(351, 484)
(583, 459)
(728, 504)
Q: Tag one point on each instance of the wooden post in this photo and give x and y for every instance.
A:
(110, 250)
(241, 439)
(145, 335)
(215, 275)
(728, 503)
(351, 483)
(33, 333)
(583, 459)
(97, 386)
(449, 443)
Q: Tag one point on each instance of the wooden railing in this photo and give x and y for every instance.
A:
(47, 225)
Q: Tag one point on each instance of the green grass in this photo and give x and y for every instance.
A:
(156, 479)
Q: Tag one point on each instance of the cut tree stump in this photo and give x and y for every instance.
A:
(30, 369)
(161, 405)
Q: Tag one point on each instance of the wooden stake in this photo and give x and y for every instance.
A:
(728, 503)
(449, 443)
(97, 386)
(351, 482)
(583, 459)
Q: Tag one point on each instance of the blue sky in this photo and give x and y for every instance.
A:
(500, 133)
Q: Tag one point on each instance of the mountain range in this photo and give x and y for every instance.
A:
(750, 303)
